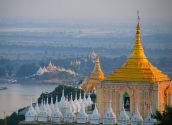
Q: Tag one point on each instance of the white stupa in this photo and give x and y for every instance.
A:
(40, 71)
(43, 115)
(37, 109)
(67, 100)
(30, 115)
(45, 69)
(95, 116)
(85, 102)
(109, 116)
(89, 101)
(92, 56)
(80, 99)
(56, 103)
(78, 106)
(72, 105)
(52, 105)
(69, 116)
(48, 109)
(123, 118)
(82, 117)
(56, 115)
(63, 104)
(149, 120)
(42, 105)
(137, 118)
(50, 66)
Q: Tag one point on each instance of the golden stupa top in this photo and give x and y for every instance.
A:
(137, 67)
(97, 74)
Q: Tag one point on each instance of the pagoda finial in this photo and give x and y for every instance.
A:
(138, 16)
(138, 28)
(138, 51)
(97, 59)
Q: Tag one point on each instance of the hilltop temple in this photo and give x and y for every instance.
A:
(137, 83)
(89, 84)
(51, 68)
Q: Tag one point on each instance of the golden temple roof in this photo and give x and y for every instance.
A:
(137, 67)
(96, 75)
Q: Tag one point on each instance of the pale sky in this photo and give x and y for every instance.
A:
(99, 10)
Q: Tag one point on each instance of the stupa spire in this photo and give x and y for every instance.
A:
(97, 74)
(137, 51)
(137, 68)
(138, 27)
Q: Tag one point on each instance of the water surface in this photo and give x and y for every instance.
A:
(19, 95)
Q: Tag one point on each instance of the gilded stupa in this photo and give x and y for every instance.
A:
(137, 67)
(96, 75)
(137, 83)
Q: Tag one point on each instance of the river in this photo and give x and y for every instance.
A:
(17, 96)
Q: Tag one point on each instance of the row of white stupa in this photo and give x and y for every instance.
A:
(74, 112)
(52, 68)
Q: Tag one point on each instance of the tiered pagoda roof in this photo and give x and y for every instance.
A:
(137, 67)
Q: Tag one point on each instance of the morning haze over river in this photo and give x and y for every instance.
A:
(68, 37)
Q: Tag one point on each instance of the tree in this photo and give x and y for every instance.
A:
(165, 117)
(67, 92)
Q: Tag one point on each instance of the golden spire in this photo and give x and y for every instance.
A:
(97, 72)
(137, 67)
(96, 75)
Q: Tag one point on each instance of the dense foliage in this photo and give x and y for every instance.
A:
(14, 119)
(165, 117)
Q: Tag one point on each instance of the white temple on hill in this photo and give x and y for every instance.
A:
(52, 68)
(76, 111)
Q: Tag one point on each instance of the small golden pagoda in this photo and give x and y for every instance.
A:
(137, 67)
(96, 75)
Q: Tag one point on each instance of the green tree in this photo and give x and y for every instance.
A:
(67, 92)
(165, 117)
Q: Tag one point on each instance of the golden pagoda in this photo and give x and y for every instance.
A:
(137, 67)
(131, 86)
(96, 75)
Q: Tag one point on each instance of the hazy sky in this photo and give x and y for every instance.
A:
(154, 10)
